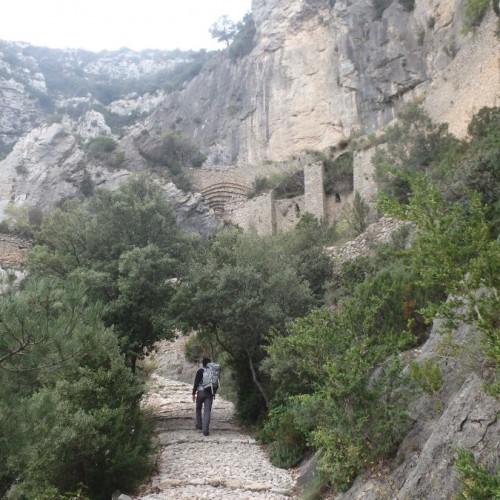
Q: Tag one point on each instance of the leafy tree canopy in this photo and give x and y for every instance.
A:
(125, 246)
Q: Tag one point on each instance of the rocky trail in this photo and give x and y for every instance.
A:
(227, 464)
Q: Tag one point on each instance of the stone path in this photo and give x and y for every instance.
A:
(228, 464)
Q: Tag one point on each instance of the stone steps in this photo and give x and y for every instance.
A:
(227, 464)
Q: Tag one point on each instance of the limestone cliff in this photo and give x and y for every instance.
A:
(321, 71)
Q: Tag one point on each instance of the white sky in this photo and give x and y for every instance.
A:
(112, 24)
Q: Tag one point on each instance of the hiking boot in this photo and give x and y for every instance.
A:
(205, 433)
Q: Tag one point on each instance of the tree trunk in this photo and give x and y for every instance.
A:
(257, 383)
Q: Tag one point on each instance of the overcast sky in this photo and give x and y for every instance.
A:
(112, 24)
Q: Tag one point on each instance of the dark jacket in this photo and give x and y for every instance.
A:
(197, 381)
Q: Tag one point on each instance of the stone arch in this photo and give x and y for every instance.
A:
(218, 194)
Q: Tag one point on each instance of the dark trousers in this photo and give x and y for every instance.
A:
(205, 399)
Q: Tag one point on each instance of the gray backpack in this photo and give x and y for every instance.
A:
(211, 377)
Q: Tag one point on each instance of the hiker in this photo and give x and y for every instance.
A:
(206, 383)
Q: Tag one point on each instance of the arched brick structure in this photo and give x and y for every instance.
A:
(217, 195)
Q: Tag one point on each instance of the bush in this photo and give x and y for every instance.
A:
(414, 144)
(87, 185)
(475, 480)
(259, 185)
(338, 173)
(474, 12)
(287, 442)
(198, 160)
(285, 185)
(427, 376)
(243, 41)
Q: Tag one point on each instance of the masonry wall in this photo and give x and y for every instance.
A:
(335, 205)
(314, 196)
(256, 214)
(364, 173)
(288, 213)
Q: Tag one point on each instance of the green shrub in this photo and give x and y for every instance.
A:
(288, 185)
(474, 12)
(427, 375)
(259, 185)
(198, 160)
(413, 144)
(338, 174)
(285, 185)
(243, 41)
(102, 144)
(286, 441)
(475, 480)
(198, 347)
(87, 185)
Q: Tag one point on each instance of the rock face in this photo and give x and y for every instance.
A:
(48, 165)
(460, 413)
(321, 71)
(318, 72)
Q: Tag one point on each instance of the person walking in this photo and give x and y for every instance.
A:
(203, 397)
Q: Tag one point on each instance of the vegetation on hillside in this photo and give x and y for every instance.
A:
(312, 345)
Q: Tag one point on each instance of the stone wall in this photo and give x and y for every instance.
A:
(257, 214)
(363, 172)
(376, 234)
(336, 204)
(314, 193)
(288, 212)
(13, 251)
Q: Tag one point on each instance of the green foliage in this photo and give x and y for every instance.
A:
(198, 160)
(357, 217)
(338, 175)
(453, 250)
(329, 358)
(285, 185)
(288, 185)
(100, 148)
(478, 169)
(124, 245)
(243, 41)
(449, 235)
(87, 186)
(71, 81)
(475, 480)
(414, 144)
(173, 154)
(287, 442)
(474, 12)
(223, 30)
(241, 287)
(69, 406)
(22, 220)
(259, 185)
(198, 347)
(427, 375)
